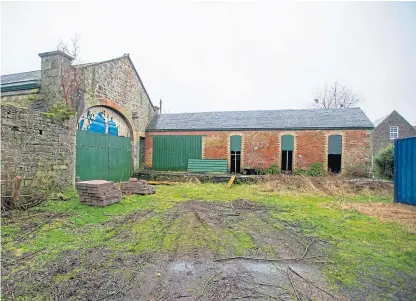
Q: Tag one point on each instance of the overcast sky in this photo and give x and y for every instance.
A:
(210, 56)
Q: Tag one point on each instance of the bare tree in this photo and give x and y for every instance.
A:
(70, 76)
(336, 96)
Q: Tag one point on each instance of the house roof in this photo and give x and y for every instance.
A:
(20, 77)
(350, 118)
(18, 80)
(380, 120)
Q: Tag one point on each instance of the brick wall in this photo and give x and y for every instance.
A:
(262, 148)
(32, 146)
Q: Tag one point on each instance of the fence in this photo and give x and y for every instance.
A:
(405, 170)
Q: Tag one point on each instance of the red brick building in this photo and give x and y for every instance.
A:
(290, 139)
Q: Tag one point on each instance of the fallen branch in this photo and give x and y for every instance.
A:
(161, 183)
(121, 288)
(307, 247)
(36, 228)
(267, 259)
(318, 287)
(293, 286)
(206, 284)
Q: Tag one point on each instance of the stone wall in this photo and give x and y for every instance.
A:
(34, 147)
(21, 99)
(116, 84)
(381, 134)
(262, 148)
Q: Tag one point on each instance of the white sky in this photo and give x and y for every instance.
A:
(211, 56)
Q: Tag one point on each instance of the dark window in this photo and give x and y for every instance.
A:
(287, 160)
(40, 132)
(235, 161)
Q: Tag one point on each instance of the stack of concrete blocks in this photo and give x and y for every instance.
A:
(135, 186)
(98, 192)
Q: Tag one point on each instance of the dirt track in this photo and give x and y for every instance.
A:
(200, 262)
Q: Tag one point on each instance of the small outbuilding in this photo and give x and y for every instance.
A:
(286, 139)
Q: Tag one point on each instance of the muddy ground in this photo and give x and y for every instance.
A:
(282, 264)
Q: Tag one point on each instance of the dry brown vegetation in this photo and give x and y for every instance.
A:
(399, 213)
(330, 185)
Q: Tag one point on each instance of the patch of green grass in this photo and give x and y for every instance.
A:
(362, 245)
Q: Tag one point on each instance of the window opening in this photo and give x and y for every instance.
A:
(334, 153)
(394, 132)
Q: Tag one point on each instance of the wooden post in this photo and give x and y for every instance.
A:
(231, 182)
(16, 189)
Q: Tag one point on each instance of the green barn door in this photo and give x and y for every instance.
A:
(119, 158)
(102, 157)
(173, 152)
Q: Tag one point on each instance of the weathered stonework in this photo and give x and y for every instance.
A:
(381, 134)
(116, 84)
(33, 146)
(262, 148)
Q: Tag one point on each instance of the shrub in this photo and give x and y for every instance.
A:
(260, 170)
(59, 112)
(357, 171)
(273, 170)
(316, 169)
(384, 162)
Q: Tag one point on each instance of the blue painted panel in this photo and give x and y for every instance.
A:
(100, 119)
(405, 170)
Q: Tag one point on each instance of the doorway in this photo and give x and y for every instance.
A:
(334, 153)
(235, 154)
(287, 147)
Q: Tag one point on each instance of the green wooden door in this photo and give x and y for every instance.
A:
(102, 157)
(173, 152)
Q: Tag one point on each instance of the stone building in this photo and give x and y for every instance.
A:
(288, 139)
(109, 101)
(389, 128)
(113, 129)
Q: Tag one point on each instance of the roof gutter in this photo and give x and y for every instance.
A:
(259, 129)
(19, 86)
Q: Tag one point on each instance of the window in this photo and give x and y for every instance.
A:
(334, 153)
(394, 132)
(235, 149)
(287, 145)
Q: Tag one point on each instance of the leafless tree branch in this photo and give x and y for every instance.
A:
(336, 96)
(70, 77)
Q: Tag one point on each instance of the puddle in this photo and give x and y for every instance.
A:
(260, 267)
(181, 266)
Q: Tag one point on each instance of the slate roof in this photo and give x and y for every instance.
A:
(380, 120)
(20, 77)
(353, 118)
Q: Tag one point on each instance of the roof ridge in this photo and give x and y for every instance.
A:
(20, 72)
(265, 110)
(101, 62)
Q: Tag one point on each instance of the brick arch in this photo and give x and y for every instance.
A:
(118, 110)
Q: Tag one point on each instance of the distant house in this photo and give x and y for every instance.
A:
(389, 128)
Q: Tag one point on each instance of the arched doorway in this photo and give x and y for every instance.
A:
(103, 150)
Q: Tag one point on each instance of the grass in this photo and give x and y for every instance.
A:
(363, 245)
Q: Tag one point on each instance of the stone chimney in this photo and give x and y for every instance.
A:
(54, 65)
